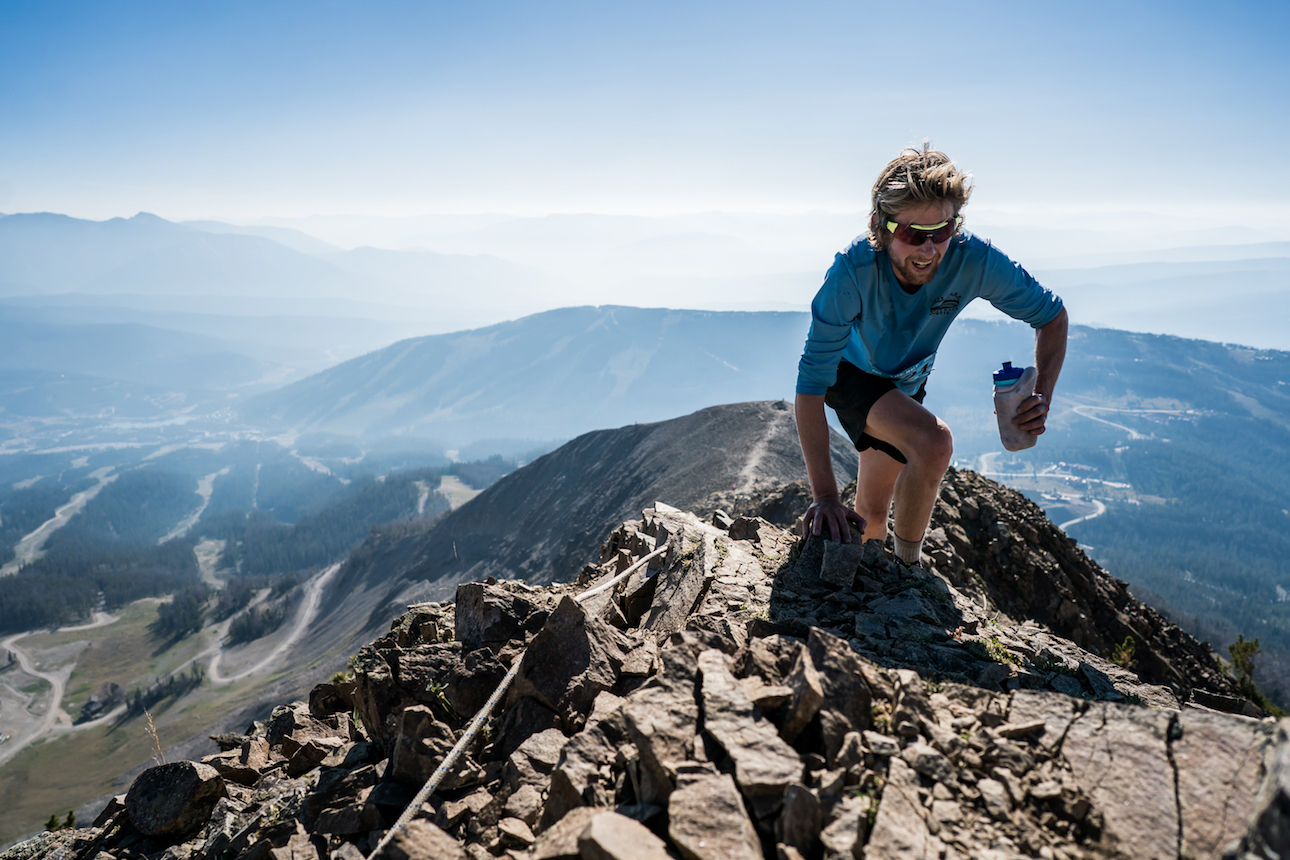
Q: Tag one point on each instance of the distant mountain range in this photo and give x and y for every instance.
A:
(550, 375)
(205, 307)
(451, 273)
(284, 303)
(127, 352)
(1244, 301)
(562, 372)
(46, 254)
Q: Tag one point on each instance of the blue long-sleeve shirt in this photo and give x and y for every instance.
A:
(862, 314)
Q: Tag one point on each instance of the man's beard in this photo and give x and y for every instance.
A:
(916, 277)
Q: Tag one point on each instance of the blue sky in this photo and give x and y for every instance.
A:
(243, 110)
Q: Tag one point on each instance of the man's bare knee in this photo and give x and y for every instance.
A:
(874, 514)
(935, 448)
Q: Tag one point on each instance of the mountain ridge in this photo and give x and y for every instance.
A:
(605, 365)
(508, 530)
(46, 254)
(749, 694)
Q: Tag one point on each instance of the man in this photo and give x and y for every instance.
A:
(875, 326)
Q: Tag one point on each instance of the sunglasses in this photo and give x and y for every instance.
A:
(917, 234)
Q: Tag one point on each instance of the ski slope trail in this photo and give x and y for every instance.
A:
(29, 548)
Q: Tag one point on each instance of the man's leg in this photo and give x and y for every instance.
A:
(874, 484)
(925, 440)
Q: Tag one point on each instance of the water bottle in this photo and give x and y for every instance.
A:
(1012, 386)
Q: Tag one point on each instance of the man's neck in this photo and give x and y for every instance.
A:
(895, 274)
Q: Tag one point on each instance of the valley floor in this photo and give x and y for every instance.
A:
(52, 673)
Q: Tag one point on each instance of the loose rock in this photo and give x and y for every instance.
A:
(173, 799)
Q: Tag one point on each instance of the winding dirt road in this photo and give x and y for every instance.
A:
(1100, 509)
(305, 617)
(55, 713)
(58, 688)
(1085, 410)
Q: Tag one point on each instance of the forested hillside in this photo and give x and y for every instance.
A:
(1207, 535)
(22, 511)
(275, 512)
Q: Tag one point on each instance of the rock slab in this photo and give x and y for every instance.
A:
(170, 800)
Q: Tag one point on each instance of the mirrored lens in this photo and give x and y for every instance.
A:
(916, 236)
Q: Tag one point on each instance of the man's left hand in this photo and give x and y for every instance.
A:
(1033, 414)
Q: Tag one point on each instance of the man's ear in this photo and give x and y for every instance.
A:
(875, 230)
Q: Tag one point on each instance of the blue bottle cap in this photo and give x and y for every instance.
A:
(1007, 374)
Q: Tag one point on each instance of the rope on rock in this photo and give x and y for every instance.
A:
(467, 737)
(620, 577)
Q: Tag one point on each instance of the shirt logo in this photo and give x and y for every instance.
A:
(947, 305)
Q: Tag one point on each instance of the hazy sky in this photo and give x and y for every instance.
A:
(243, 110)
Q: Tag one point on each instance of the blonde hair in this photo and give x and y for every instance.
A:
(915, 176)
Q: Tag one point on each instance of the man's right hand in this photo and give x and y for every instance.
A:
(836, 516)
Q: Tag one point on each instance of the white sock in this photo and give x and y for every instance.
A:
(908, 551)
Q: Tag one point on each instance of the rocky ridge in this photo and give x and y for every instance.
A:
(749, 694)
(541, 523)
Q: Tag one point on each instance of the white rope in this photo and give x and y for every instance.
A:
(450, 761)
(626, 573)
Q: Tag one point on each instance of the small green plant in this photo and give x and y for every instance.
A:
(52, 824)
(998, 652)
(873, 792)
(1122, 656)
(1243, 653)
(928, 590)
(1054, 666)
(990, 649)
(277, 813)
(439, 699)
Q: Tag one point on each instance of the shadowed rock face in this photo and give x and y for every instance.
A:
(1009, 565)
(1030, 569)
(727, 700)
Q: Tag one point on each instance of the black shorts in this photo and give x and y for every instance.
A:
(853, 395)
